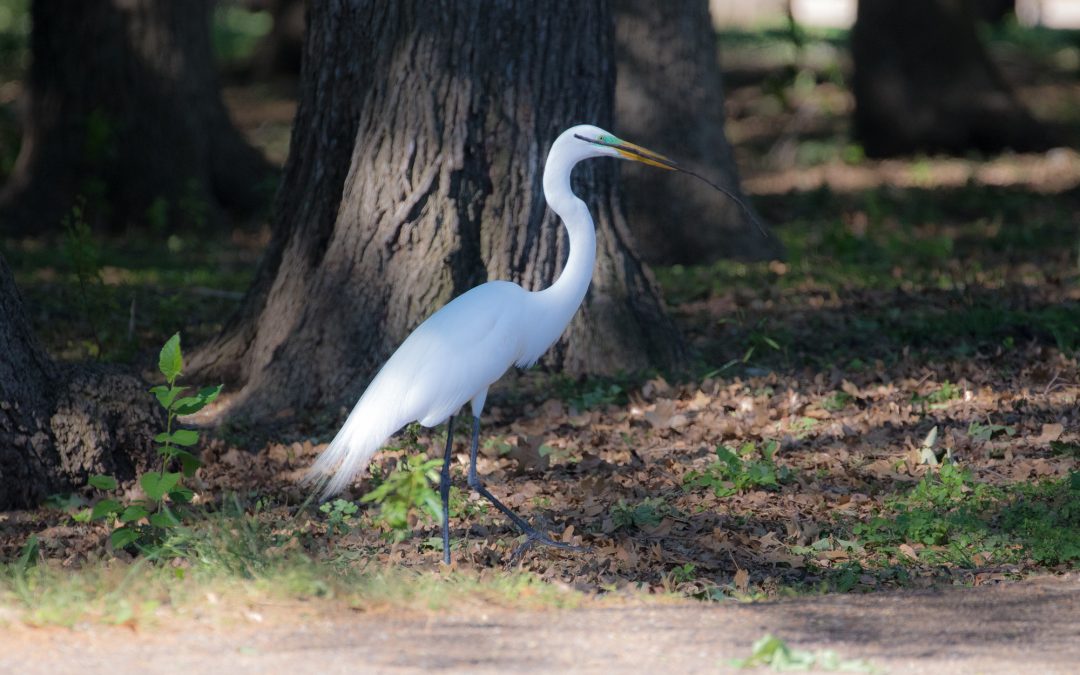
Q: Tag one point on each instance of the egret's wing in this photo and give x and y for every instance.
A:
(450, 358)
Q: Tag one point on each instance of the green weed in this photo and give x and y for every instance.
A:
(591, 393)
(772, 652)
(646, 513)
(409, 488)
(938, 398)
(147, 522)
(984, 432)
(734, 472)
(339, 515)
(947, 518)
(837, 401)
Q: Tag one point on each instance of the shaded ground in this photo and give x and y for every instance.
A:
(928, 312)
(1032, 626)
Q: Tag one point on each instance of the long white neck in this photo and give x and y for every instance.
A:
(556, 305)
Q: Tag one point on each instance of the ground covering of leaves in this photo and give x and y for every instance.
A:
(894, 404)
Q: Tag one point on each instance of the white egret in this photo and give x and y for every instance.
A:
(459, 351)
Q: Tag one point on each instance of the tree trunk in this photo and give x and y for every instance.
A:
(670, 96)
(61, 425)
(924, 82)
(125, 114)
(415, 174)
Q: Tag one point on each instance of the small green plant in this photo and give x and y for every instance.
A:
(157, 215)
(684, 573)
(939, 398)
(148, 521)
(772, 652)
(803, 426)
(84, 257)
(647, 513)
(837, 401)
(409, 487)
(733, 472)
(589, 394)
(339, 515)
(461, 506)
(948, 518)
(984, 432)
(1067, 449)
(193, 204)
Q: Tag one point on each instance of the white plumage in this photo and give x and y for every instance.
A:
(459, 351)
(449, 360)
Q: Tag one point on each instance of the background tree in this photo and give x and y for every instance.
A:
(670, 95)
(124, 109)
(278, 52)
(415, 174)
(924, 82)
(59, 425)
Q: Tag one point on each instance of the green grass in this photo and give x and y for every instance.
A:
(735, 471)
(948, 519)
(237, 553)
(894, 245)
(148, 289)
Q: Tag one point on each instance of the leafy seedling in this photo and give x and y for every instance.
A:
(148, 520)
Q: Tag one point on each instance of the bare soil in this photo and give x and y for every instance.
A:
(1032, 626)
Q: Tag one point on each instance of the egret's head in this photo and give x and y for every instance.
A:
(585, 140)
(595, 142)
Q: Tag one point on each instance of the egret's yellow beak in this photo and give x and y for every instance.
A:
(634, 152)
(646, 156)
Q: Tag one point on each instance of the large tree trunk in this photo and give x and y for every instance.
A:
(60, 425)
(924, 82)
(125, 112)
(414, 175)
(670, 96)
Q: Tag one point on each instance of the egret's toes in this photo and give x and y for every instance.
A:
(534, 537)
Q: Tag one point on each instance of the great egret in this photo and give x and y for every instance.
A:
(459, 351)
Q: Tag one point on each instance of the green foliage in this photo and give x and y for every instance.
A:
(950, 519)
(734, 472)
(339, 515)
(772, 652)
(236, 31)
(146, 523)
(591, 393)
(1045, 519)
(837, 401)
(408, 488)
(984, 432)
(939, 398)
(684, 573)
(647, 513)
(193, 205)
(84, 258)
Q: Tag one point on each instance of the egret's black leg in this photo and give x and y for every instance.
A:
(533, 535)
(444, 490)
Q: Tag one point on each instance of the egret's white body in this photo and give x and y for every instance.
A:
(459, 351)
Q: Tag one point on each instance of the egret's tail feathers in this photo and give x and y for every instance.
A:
(349, 453)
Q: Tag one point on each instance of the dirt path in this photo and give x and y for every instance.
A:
(1032, 626)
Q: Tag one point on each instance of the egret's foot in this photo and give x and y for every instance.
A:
(534, 537)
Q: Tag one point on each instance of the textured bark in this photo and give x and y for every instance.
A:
(923, 82)
(61, 425)
(125, 111)
(670, 98)
(415, 174)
